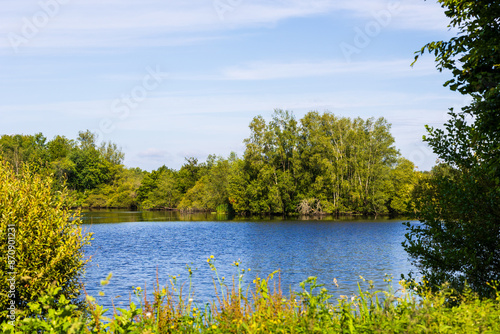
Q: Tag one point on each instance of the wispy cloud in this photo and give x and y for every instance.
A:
(407, 14)
(154, 153)
(270, 71)
(127, 23)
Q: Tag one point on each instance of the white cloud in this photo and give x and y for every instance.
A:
(270, 71)
(407, 14)
(153, 153)
(125, 23)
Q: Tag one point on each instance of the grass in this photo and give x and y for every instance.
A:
(262, 307)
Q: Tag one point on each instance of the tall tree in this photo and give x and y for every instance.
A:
(324, 164)
(20, 149)
(345, 163)
(189, 173)
(270, 161)
(91, 168)
(459, 240)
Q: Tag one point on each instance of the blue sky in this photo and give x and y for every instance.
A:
(168, 79)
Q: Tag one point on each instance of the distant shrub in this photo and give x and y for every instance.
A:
(41, 240)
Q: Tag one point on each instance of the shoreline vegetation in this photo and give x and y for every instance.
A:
(262, 307)
(320, 164)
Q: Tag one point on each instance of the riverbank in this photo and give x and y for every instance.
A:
(264, 308)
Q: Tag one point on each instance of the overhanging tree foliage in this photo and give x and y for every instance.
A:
(459, 240)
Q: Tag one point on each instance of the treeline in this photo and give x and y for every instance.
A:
(320, 164)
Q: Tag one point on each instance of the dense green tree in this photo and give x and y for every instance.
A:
(59, 147)
(217, 183)
(189, 173)
(93, 172)
(459, 239)
(211, 191)
(150, 183)
(111, 153)
(165, 194)
(325, 164)
(91, 168)
(58, 151)
(238, 185)
(121, 192)
(271, 163)
(19, 149)
(320, 164)
(345, 163)
(404, 178)
(196, 198)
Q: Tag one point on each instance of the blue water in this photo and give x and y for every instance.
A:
(136, 252)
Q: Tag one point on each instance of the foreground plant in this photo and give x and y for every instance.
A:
(41, 241)
(415, 308)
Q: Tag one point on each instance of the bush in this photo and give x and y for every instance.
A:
(458, 240)
(41, 240)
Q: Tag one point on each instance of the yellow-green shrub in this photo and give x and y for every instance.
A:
(41, 240)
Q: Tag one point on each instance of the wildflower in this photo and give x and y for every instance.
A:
(214, 327)
(211, 256)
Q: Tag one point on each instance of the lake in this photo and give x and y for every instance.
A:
(136, 246)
